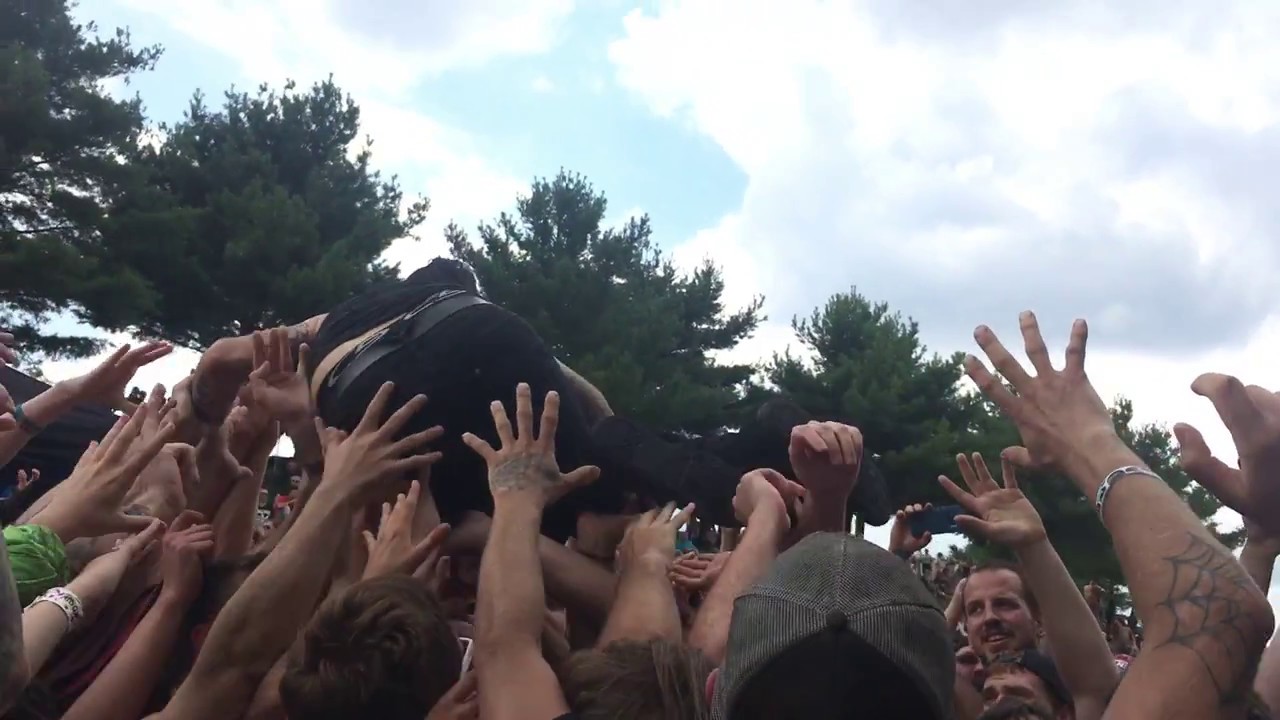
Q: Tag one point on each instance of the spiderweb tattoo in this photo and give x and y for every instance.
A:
(1207, 600)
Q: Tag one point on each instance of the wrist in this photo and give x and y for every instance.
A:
(173, 599)
(518, 504)
(1096, 455)
(769, 521)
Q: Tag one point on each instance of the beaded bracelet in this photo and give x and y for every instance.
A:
(66, 601)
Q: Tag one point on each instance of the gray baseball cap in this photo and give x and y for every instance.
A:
(833, 582)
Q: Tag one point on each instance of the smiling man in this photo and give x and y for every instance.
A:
(1000, 614)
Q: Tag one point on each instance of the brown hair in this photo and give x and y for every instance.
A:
(630, 680)
(380, 649)
(996, 565)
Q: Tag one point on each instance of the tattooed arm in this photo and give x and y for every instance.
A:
(13, 662)
(1206, 622)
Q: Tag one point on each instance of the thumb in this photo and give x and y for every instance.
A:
(1018, 456)
(584, 475)
(971, 525)
(926, 538)
(1197, 460)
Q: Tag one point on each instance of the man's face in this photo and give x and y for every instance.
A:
(996, 616)
(1011, 684)
(969, 666)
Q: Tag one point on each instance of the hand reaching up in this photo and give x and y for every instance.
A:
(998, 514)
(1057, 412)
(698, 572)
(88, 503)
(826, 457)
(901, 541)
(25, 478)
(652, 537)
(106, 383)
(525, 464)
(1252, 415)
(278, 383)
(363, 460)
(185, 548)
(394, 550)
(100, 578)
(765, 490)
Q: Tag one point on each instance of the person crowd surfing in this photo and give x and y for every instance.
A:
(476, 534)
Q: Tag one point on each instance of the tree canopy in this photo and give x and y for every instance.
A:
(612, 306)
(63, 142)
(261, 213)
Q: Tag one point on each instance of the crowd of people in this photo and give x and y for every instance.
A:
(476, 533)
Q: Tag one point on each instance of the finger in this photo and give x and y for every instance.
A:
(377, 409)
(1019, 456)
(1008, 473)
(304, 358)
(1237, 410)
(110, 438)
(1033, 341)
(971, 525)
(968, 475)
(1076, 347)
(812, 439)
(156, 399)
(386, 515)
(411, 498)
(401, 417)
(416, 441)
(962, 498)
(925, 539)
(988, 483)
(261, 356)
(1004, 361)
(501, 424)
(279, 349)
(415, 463)
(584, 475)
(369, 541)
(153, 351)
(149, 448)
(465, 686)
(424, 555)
(134, 524)
(683, 516)
(1224, 481)
(124, 439)
(186, 519)
(550, 421)
(524, 413)
(479, 446)
(990, 386)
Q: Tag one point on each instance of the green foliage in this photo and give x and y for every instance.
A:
(612, 306)
(258, 214)
(62, 140)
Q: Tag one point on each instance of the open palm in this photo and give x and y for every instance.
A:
(999, 514)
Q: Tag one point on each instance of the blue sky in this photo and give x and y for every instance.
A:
(1099, 159)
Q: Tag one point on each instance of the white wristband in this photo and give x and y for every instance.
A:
(66, 601)
(1114, 476)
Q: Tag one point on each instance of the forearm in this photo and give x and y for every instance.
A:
(1206, 622)
(748, 563)
(43, 627)
(13, 663)
(645, 607)
(1079, 647)
(125, 685)
(42, 410)
(265, 615)
(579, 583)
(510, 600)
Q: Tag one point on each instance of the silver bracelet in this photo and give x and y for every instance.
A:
(1112, 477)
(66, 601)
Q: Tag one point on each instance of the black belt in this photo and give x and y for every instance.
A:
(399, 333)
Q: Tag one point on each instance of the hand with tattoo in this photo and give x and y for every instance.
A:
(525, 465)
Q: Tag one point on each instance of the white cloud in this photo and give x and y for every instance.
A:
(1096, 159)
(542, 84)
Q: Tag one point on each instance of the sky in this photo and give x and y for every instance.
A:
(959, 161)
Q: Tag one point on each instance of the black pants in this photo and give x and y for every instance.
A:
(467, 360)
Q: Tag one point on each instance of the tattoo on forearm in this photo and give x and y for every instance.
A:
(202, 400)
(1208, 600)
(10, 615)
(524, 472)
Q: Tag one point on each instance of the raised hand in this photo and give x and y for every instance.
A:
(999, 514)
(765, 488)
(106, 383)
(826, 457)
(371, 454)
(652, 536)
(394, 550)
(98, 581)
(278, 384)
(1057, 412)
(525, 464)
(698, 572)
(25, 478)
(185, 548)
(88, 503)
(901, 541)
(1252, 415)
